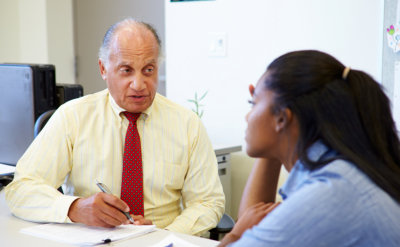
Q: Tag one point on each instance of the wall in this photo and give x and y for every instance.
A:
(254, 33)
(9, 47)
(33, 31)
(38, 32)
(92, 19)
(60, 36)
(391, 75)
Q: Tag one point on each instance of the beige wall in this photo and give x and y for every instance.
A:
(241, 165)
(39, 31)
(32, 31)
(60, 36)
(93, 17)
(9, 30)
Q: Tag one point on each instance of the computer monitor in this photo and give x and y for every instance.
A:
(26, 91)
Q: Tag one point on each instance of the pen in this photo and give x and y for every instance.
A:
(105, 189)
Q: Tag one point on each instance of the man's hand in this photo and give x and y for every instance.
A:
(252, 216)
(100, 209)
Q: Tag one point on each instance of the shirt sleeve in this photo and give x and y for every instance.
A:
(202, 194)
(33, 194)
(315, 215)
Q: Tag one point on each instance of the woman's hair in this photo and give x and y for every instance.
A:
(348, 112)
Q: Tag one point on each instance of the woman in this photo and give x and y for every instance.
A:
(331, 127)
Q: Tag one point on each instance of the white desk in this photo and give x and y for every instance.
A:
(11, 225)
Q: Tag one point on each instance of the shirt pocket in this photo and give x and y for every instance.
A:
(170, 175)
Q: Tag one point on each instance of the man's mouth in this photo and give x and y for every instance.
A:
(138, 98)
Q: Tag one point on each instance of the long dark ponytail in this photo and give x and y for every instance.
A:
(350, 113)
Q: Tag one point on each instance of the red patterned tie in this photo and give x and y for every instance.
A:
(132, 172)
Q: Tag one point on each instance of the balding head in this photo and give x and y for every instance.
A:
(127, 25)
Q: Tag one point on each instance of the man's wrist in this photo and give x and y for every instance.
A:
(71, 210)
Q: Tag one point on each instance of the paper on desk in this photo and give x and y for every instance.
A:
(175, 241)
(6, 169)
(79, 234)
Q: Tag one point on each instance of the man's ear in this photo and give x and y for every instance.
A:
(283, 119)
(103, 70)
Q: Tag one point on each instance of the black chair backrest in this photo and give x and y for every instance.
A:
(41, 122)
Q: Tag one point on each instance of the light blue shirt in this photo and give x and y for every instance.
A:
(336, 205)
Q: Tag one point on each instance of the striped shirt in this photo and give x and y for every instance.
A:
(84, 141)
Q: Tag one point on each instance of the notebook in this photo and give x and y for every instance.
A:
(79, 234)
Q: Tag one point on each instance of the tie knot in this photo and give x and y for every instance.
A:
(132, 117)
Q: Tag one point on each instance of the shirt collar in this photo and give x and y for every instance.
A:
(300, 172)
(118, 110)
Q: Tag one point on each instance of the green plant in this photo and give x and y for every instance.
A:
(196, 102)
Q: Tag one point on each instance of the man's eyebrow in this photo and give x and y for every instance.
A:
(123, 64)
(152, 61)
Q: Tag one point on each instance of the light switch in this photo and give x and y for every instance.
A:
(217, 44)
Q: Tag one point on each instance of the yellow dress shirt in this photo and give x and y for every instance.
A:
(84, 141)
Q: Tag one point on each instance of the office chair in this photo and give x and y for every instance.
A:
(41, 122)
(225, 225)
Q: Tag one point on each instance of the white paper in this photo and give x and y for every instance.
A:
(6, 169)
(79, 234)
(175, 241)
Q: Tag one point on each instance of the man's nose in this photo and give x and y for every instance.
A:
(137, 83)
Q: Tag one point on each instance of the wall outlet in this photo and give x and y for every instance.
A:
(217, 44)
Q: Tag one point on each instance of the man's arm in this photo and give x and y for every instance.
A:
(33, 195)
(202, 195)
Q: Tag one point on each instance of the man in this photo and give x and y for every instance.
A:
(85, 141)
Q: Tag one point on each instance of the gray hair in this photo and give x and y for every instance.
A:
(104, 51)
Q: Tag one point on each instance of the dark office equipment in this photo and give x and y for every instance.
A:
(5, 180)
(26, 91)
(66, 92)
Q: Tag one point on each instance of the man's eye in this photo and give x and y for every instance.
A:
(251, 102)
(125, 70)
(149, 70)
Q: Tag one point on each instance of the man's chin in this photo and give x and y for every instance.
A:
(137, 108)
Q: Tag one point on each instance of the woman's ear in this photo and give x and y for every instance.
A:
(283, 119)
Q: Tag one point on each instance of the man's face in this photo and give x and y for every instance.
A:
(132, 69)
